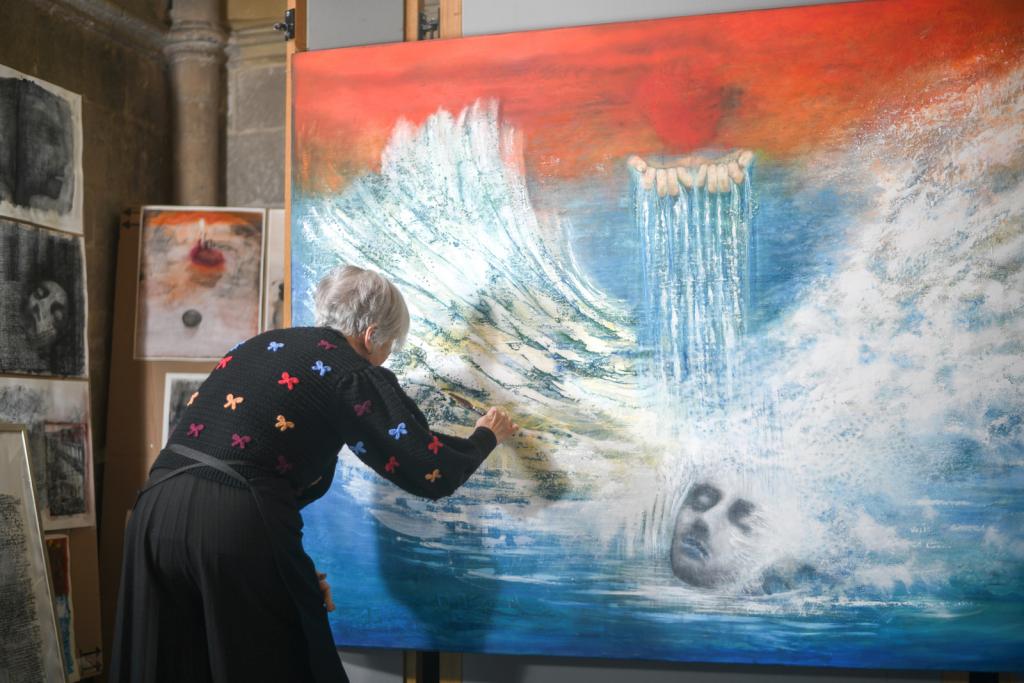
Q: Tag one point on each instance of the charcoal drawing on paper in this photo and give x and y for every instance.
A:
(56, 416)
(66, 448)
(41, 152)
(42, 302)
(29, 642)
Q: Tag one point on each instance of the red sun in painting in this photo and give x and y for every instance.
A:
(780, 81)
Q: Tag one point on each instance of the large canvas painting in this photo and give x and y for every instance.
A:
(42, 301)
(56, 416)
(753, 286)
(41, 152)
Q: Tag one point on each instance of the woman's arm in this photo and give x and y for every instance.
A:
(392, 436)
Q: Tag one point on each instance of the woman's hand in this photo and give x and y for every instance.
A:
(325, 590)
(500, 424)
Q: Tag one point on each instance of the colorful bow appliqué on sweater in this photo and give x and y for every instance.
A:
(274, 346)
(321, 368)
(283, 424)
(358, 448)
(398, 431)
(192, 398)
(433, 476)
(435, 445)
(363, 408)
(283, 466)
(391, 464)
(324, 344)
(240, 441)
(194, 429)
(288, 380)
(224, 362)
(233, 401)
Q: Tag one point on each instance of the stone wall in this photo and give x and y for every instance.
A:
(109, 51)
(255, 115)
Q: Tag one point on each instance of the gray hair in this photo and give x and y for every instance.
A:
(350, 299)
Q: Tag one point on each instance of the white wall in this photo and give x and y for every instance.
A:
(343, 23)
(481, 17)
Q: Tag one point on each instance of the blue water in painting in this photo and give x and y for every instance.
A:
(396, 591)
(877, 423)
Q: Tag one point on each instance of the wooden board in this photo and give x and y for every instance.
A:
(134, 421)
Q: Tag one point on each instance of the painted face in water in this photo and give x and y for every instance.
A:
(711, 531)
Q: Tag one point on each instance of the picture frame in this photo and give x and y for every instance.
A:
(56, 415)
(273, 271)
(58, 547)
(29, 637)
(200, 279)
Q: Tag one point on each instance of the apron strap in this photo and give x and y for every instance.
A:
(200, 460)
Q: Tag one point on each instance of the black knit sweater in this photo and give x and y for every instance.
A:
(287, 400)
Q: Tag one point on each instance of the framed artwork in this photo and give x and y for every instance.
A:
(199, 281)
(273, 277)
(179, 388)
(751, 284)
(41, 158)
(58, 549)
(30, 647)
(56, 416)
(42, 292)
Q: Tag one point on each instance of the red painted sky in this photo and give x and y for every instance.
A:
(782, 82)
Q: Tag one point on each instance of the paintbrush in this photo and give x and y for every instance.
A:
(463, 402)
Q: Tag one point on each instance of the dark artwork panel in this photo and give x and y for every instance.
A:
(58, 549)
(65, 469)
(42, 302)
(40, 172)
(40, 159)
(55, 414)
(8, 131)
(179, 392)
(20, 639)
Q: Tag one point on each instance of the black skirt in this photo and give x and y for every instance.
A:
(214, 589)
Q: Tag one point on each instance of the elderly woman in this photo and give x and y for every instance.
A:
(215, 584)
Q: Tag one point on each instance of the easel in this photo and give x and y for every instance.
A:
(420, 667)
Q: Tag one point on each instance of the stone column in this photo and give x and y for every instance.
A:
(195, 55)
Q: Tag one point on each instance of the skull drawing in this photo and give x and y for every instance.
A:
(45, 314)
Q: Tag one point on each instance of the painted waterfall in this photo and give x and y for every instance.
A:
(759, 313)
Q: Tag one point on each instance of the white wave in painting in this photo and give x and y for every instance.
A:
(501, 312)
(871, 407)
